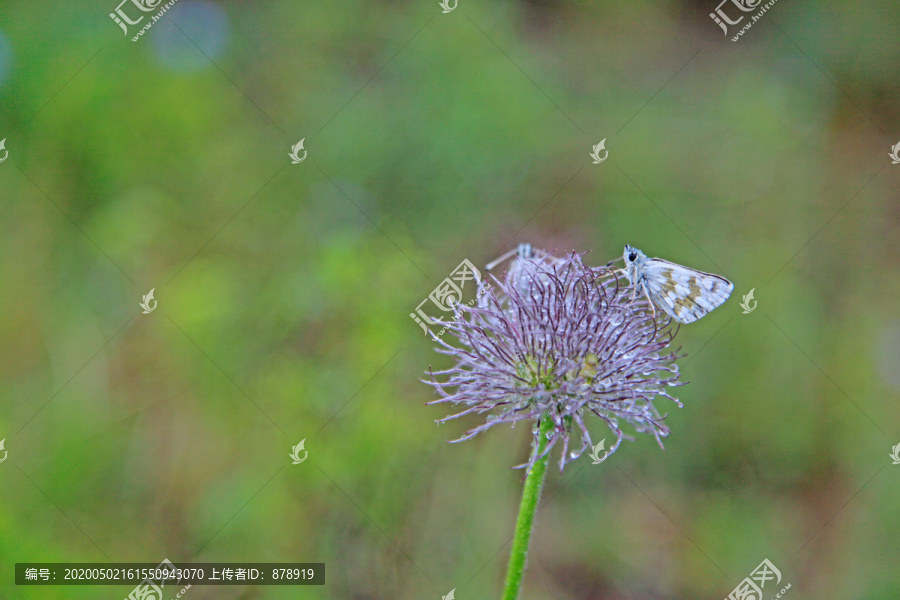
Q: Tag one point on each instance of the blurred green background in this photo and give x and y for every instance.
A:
(285, 290)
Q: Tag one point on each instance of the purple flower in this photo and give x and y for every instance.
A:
(557, 339)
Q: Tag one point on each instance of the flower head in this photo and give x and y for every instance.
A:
(557, 339)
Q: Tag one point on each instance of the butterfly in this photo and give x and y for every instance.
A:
(684, 294)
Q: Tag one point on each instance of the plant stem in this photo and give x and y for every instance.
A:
(531, 494)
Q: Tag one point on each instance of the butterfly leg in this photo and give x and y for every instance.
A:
(652, 306)
(634, 287)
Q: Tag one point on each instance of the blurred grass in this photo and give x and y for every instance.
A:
(284, 290)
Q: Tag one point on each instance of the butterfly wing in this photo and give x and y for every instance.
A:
(684, 294)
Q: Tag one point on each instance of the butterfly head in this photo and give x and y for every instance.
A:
(632, 255)
(633, 258)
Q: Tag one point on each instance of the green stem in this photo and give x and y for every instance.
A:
(531, 494)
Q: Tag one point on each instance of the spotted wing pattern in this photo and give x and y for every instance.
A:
(685, 294)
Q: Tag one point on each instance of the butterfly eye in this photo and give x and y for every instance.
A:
(632, 256)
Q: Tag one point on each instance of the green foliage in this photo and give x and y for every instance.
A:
(284, 291)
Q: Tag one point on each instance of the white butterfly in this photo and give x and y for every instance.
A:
(684, 294)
